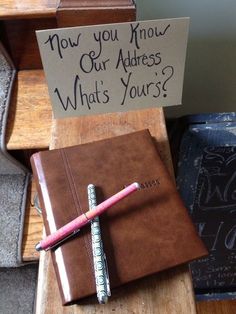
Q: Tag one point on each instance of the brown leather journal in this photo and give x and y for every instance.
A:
(143, 234)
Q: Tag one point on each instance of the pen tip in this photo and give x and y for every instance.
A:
(137, 185)
(103, 299)
(38, 247)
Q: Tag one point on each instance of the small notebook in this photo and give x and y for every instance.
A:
(143, 234)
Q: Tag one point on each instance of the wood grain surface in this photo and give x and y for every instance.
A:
(33, 228)
(95, 3)
(30, 113)
(216, 307)
(27, 8)
(19, 37)
(90, 12)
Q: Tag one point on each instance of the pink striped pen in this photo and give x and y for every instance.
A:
(70, 228)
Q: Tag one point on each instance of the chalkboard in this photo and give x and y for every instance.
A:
(214, 213)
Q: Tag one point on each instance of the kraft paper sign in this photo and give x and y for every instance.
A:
(114, 67)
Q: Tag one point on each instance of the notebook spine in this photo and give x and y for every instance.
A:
(41, 188)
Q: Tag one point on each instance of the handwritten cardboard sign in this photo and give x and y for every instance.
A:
(114, 67)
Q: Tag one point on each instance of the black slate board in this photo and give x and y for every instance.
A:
(206, 178)
(214, 213)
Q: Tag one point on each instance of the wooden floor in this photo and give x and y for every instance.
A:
(29, 127)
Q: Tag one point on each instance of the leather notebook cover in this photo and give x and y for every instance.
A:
(143, 234)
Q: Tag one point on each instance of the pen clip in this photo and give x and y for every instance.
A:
(107, 276)
(56, 245)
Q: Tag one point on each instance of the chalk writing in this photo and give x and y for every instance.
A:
(214, 212)
(217, 186)
(218, 234)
